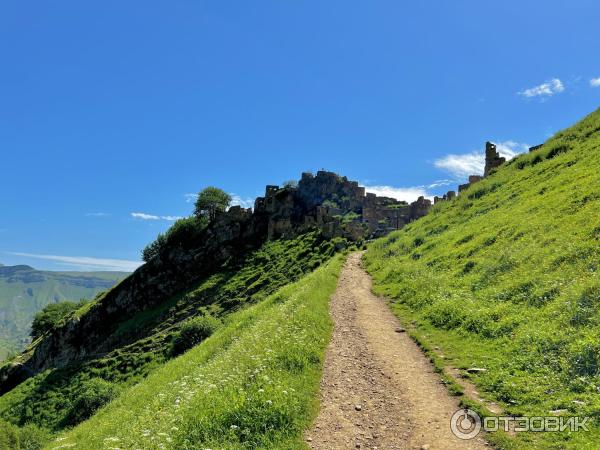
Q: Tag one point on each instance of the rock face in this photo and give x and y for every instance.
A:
(327, 201)
(92, 334)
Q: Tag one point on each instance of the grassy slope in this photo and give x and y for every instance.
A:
(46, 398)
(22, 296)
(253, 384)
(506, 278)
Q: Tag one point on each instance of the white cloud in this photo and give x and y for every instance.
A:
(97, 214)
(144, 216)
(190, 198)
(473, 163)
(439, 183)
(595, 82)
(547, 89)
(246, 202)
(461, 166)
(510, 149)
(87, 262)
(408, 194)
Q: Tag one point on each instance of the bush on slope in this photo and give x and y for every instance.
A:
(505, 278)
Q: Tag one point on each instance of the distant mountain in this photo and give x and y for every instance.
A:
(24, 291)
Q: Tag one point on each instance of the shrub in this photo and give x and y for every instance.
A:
(586, 361)
(32, 437)
(183, 231)
(446, 314)
(556, 150)
(586, 306)
(193, 332)
(418, 241)
(51, 316)
(9, 435)
(154, 248)
(93, 394)
(469, 266)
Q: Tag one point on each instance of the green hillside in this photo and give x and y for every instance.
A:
(505, 278)
(145, 342)
(253, 384)
(25, 291)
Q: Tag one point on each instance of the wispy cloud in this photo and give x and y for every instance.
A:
(439, 183)
(97, 214)
(473, 163)
(462, 165)
(144, 216)
(244, 202)
(190, 198)
(408, 194)
(510, 149)
(547, 89)
(86, 262)
(595, 82)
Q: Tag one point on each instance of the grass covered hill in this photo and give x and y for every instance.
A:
(24, 291)
(252, 384)
(505, 278)
(145, 341)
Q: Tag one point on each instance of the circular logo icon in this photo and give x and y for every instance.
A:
(465, 424)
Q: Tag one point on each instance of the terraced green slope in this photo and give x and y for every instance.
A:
(25, 291)
(253, 384)
(505, 278)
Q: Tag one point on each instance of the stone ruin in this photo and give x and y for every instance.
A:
(492, 160)
(340, 207)
(336, 205)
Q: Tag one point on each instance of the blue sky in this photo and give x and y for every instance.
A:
(112, 112)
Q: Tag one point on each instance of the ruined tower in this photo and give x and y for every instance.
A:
(492, 158)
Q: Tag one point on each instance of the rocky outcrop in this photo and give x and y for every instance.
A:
(91, 335)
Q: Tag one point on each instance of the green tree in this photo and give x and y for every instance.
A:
(154, 248)
(51, 316)
(183, 231)
(211, 201)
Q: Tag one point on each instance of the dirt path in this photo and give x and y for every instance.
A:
(378, 389)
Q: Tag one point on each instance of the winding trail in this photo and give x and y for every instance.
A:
(378, 389)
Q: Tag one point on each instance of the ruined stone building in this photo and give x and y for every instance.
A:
(492, 158)
(336, 205)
